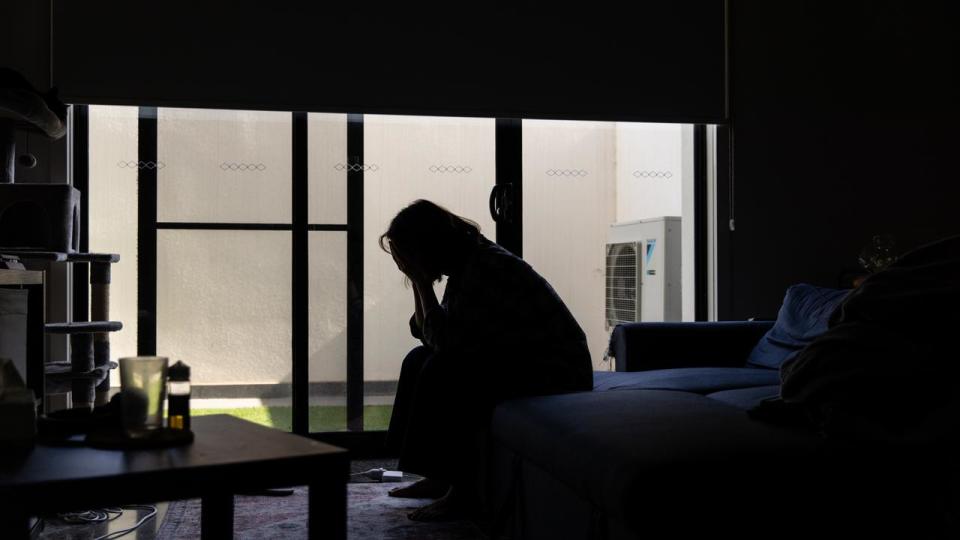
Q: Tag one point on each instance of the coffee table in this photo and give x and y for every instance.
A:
(228, 456)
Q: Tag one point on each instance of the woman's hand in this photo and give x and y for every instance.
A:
(421, 279)
(425, 299)
(398, 260)
(411, 269)
(417, 306)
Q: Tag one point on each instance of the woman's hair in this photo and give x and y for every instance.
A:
(430, 232)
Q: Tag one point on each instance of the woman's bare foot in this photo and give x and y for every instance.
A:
(446, 508)
(423, 489)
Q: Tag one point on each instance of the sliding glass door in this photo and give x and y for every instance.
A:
(249, 239)
(199, 203)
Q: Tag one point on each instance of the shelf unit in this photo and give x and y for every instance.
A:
(87, 374)
(31, 281)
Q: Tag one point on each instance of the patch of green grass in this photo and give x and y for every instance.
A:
(322, 417)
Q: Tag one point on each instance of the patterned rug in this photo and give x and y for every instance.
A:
(371, 513)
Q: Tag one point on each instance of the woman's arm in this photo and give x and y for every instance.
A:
(429, 317)
(416, 321)
(426, 297)
(418, 310)
(434, 322)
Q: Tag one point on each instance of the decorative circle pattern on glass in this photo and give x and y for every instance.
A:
(357, 167)
(141, 165)
(460, 169)
(566, 172)
(231, 166)
(652, 174)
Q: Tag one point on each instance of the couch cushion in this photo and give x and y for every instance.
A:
(698, 380)
(632, 451)
(746, 398)
(659, 464)
(802, 318)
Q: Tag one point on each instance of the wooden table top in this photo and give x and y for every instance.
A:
(227, 454)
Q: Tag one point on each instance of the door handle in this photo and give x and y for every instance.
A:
(501, 203)
(494, 210)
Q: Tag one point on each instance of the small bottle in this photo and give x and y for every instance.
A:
(178, 396)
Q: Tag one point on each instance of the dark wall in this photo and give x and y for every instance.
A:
(843, 113)
(25, 47)
(25, 39)
(605, 59)
(844, 122)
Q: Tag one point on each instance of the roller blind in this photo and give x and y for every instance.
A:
(650, 60)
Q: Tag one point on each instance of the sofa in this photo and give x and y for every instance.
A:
(676, 444)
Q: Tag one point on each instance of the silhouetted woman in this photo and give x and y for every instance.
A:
(500, 332)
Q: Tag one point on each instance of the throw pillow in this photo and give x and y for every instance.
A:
(802, 318)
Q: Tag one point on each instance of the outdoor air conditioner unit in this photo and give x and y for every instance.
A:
(643, 271)
(623, 283)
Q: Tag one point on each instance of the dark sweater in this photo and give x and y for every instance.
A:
(497, 308)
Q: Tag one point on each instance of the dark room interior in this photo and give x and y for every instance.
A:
(680, 269)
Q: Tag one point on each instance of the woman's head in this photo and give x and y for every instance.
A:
(430, 236)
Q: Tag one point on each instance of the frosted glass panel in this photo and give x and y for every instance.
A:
(569, 202)
(223, 166)
(327, 168)
(112, 200)
(450, 161)
(223, 307)
(328, 330)
(579, 179)
(649, 171)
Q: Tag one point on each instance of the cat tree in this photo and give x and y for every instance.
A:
(40, 223)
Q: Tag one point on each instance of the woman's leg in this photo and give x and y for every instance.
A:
(400, 421)
(452, 409)
(403, 401)
(428, 419)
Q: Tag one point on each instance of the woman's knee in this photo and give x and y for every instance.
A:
(414, 361)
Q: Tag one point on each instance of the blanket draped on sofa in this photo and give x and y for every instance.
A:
(887, 368)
